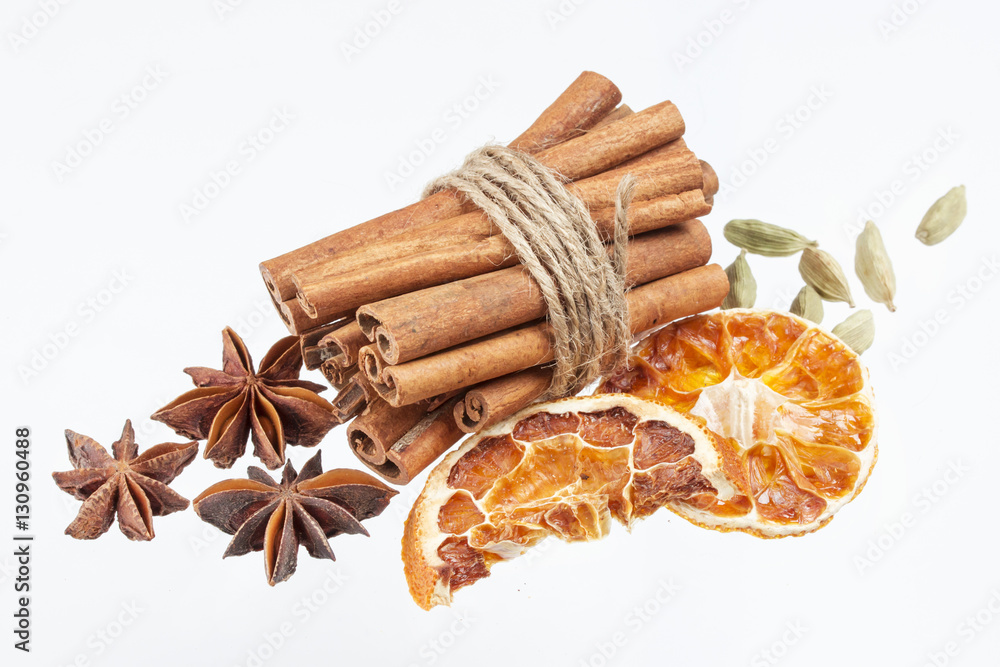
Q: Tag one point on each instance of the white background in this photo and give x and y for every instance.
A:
(885, 80)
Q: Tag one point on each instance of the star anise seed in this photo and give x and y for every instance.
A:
(128, 484)
(307, 508)
(271, 405)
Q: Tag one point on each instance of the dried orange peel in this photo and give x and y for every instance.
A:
(742, 420)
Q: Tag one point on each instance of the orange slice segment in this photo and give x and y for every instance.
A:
(794, 400)
(566, 469)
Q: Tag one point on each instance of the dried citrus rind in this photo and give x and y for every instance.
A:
(564, 469)
(743, 420)
(793, 398)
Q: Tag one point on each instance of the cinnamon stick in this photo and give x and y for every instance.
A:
(419, 323)
(431, 437)
(650, 305)
(584, 103)
(337, 375)
(618, 113)
(313, 355)
(379, 427)
(344, 343)
(662, 175)
(292, 315)
(495, 400)
(371, 364)
(587, 101)
(329, 297)
(354, 397)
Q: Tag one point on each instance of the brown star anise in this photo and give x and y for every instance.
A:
(130, 485)
(305, 508)
(272, 405)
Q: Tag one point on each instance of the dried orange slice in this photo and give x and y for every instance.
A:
(794, 399)
(565, 469)
(749, 420)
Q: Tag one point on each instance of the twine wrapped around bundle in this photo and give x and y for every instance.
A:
(555, 239)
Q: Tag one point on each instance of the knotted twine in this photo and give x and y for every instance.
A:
(556, 241)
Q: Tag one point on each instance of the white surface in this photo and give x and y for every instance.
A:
(711, 598)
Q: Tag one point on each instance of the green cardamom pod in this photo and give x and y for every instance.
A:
(763, 238)
(742, 286)
(872, 264)
(808, 304)
(858, 330)
(822, 272)
(943, 217)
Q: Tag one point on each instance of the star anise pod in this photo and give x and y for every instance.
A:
(272, 405)
(304, 508)
(128, 484)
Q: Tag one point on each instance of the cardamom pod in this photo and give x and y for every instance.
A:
(872, 264)
(807, 304)
(943, 217)
(742, 286)
(822, 272)
(858, 330)
(763, 238)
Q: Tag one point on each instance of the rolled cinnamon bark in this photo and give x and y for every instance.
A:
(354, 398)
(343, 344)
(618, 113)
(327, 297)
(371, 364)
(614, 143)
(381, 425)
(649, 305)
(587, 101)
(419, 323)
(338, 376)
(406, 275)
(495, 400)
(662, 176)
(649, 214)
(431, 437)
(582, 105)
(710, 179)
(293, 316)
(666, 173)
(313, 355)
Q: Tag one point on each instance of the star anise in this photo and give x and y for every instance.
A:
(272, 405)
(128, 484)
(305, 508)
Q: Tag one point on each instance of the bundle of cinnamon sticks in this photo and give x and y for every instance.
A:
(428, 326)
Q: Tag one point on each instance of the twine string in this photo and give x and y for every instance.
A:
(555, 239)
